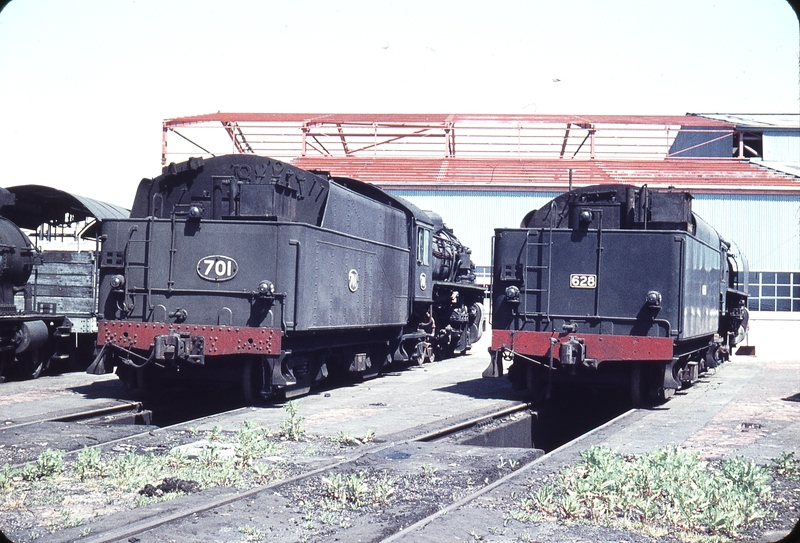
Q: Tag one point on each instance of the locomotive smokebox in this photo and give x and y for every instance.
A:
(17, 254)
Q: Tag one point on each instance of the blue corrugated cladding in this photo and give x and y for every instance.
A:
(765, 227)
(781, 146)
(473, 215)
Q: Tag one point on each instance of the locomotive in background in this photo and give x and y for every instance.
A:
(48, 304)
(249, 270)
(35, 334)
(614, 285)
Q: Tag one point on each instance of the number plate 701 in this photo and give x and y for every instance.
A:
(583, 280)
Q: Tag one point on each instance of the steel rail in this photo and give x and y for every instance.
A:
(131, 437)
(79, 415)
(502, 480)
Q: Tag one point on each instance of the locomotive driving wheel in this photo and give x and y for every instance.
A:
(741, 332)
(32, 363)
(476, 322)
(423, 353)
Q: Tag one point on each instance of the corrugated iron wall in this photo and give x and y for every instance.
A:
(766, 228)
(473, 215)
(781, 146)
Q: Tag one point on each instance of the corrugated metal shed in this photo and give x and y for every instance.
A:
(473, 215)
(427, 118)
(745, 219)
(765, 227)
(482, 172)
(699, 175)
(37, 204)
(780, 146)
(287, 136)
(789, 121)
(778, 136)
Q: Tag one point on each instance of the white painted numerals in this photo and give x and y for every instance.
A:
(583, 280)
(217, 268)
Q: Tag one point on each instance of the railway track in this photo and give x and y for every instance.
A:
(408, 532)
(71, 432)
(434, 467)
(280, 502)
(140, 524)
(435, 449)
(85, 415)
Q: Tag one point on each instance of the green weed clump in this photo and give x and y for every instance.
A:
(665, 491)
(120, 478)
(344, 438)
(88, 464)
(357, 489)
(787, 465)
(49, 463)
(292, 427)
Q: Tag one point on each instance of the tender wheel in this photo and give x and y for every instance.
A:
(713, 357)
(148, 381)
(536, 383)
(636, 385)
(252, 378)
(646, 386)
(446, 346)
(423, 353)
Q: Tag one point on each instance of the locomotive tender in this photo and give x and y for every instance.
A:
(614, 285)
(30, 337)
(249, 270)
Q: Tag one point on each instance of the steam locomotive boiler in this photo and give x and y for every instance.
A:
(614, 285)
(31, 337)
(249, 270)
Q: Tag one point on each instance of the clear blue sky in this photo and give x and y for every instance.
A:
(86, 84)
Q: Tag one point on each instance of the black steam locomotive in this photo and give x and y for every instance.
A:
(246, 269)
(610, 285)
(30, 337)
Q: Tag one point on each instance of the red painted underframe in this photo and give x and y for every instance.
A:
(219, 340)
(602, 347)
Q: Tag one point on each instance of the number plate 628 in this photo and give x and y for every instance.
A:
(583, 280)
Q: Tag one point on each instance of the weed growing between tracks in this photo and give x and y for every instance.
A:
(367, 500)
(665, 492)
(54, 493)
